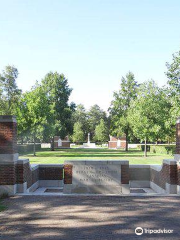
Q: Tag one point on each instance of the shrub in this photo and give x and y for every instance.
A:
(147, 148)
(163, 149)
(28, 148)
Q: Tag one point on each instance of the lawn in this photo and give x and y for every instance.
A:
(2, 208)
(60, 155)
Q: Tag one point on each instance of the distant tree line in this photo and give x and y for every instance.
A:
(142, 112)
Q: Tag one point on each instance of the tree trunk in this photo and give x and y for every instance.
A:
(52, 144)
(145, 148)
(34, 138)
(126, 149)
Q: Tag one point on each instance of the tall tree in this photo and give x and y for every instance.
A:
(58, 93)
(9, 91)
(95, 114)
(101, 132)
(78, 134)
(33, 112)
(173, 74)
(148, 113)
(120, 106)
(80, 115)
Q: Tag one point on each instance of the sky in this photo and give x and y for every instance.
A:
(93, 42)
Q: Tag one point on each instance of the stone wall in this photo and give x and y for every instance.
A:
(50, 175)
(27, 176)
(139, 175)
(166, 174)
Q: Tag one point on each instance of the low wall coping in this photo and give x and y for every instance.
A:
(34, 166)
(139, 166)
(22, 161)
(50, 165)
(84, 162)
(156, 167)
(170, 161)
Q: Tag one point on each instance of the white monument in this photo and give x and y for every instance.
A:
(89, 144)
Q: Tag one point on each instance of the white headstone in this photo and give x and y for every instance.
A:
(59, 143)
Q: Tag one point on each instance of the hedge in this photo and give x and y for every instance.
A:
(163, 149)
(28, 148)
(147, 148)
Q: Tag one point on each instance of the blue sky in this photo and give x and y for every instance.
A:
(93, 42)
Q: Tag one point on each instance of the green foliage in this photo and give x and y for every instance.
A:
(78, 134)
(33, 112)
(95, 114)
(120, 106)
(80, 115)
(9, 92)
(28, 148)
(163, 149)
(58, 93)
(2, 208)
(173, 74)
(148, 113)
(101, 132)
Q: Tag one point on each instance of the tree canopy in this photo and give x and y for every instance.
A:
(120, 106)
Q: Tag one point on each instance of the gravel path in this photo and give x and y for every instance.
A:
(97, 217)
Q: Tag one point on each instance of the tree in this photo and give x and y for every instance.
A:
(33, 112)
(148, 113)
(58, 93)
(173, 74)
(78, 134)
(120, 106)
(101, 132)
(9, 91)
(95, 114)
(80, 115)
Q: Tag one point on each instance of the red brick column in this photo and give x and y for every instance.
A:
(125, 174)
(8, 138)
(68, 174)
(8, 154)
(178, 136)
(177, 153)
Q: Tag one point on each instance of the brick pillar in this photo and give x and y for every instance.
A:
(177, 153)
(8, 154)
(68, 174)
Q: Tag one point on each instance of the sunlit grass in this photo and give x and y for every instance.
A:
(60, 155)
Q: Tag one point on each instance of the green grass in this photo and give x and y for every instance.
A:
(60, 155)
(2, 208)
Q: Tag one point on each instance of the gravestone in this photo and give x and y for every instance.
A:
(96, 177)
